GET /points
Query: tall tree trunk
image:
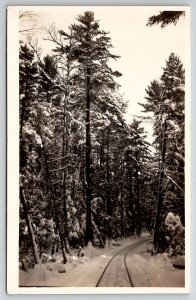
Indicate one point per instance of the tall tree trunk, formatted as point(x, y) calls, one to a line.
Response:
point(160, 189)
point(54, 200)
point(64, 171)
point(131, 202)
point(89, 233)
point(138, 203)
point(82, 172)
point(121, 196)
point(65, 144)
point(109, 206)
point(29, 225)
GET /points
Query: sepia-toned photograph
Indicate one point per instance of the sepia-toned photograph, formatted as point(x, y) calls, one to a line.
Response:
point(98, 184)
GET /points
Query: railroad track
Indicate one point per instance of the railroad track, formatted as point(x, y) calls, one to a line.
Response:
point(122, 277)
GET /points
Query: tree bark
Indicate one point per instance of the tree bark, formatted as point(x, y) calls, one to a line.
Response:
point(131, 202)
point(109, 206)
point(121, 196)
point(64, 171)
point(138, 204)
point(160, 189)
point(89, 233)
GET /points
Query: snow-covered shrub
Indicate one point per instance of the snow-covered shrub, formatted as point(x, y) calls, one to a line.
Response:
point(175, 235)
point(73, 223)
point(45, 234)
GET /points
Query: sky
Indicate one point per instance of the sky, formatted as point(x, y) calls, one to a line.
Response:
point(143, 50)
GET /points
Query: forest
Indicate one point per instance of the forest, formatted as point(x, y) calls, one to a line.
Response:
point(87, 175)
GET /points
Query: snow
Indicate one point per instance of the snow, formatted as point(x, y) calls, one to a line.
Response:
point(180, 88)
point(154, 271)
point(173, 106)
point(174, 125)
point(164, 117)
point(85, 271)
point(175, 78)
point(167, 101)
point(46, 113)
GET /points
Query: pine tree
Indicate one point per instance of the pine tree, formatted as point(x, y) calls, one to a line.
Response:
point(92, 53)
point(174, 80)
point(137, 158)
point(165, 99)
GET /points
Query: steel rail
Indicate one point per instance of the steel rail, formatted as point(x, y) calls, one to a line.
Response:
point(128, 248)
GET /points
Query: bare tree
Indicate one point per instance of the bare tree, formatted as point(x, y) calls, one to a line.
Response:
point(29, 22)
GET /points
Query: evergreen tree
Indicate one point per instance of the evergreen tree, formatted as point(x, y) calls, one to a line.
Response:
point(137, 158)
point(92, 53)
point(165, 99)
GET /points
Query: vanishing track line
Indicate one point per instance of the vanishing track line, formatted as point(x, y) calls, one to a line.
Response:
point(125, 251)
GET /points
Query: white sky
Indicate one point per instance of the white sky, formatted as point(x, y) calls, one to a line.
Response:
point(143, 49)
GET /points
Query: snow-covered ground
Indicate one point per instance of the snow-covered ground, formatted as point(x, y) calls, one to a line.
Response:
point(146, 270)
point(153, 271)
